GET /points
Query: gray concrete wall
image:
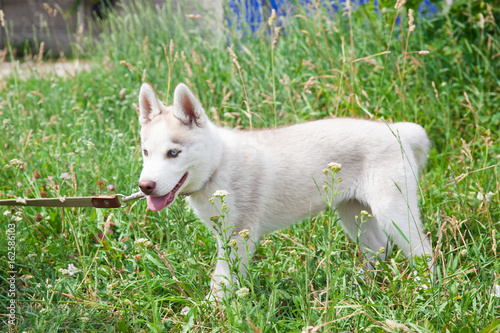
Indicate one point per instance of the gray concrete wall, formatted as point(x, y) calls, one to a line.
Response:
point(29, 22)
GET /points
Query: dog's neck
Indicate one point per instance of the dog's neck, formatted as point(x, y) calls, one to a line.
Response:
point(217, 148)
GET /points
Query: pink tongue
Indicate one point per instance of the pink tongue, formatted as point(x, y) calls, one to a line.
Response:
point(158, 203)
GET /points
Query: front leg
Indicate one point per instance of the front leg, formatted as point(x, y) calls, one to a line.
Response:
point(232, 262)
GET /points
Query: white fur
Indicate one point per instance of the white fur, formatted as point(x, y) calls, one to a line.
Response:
point(272, 176)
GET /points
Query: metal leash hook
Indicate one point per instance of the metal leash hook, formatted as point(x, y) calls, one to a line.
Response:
point(126, 199)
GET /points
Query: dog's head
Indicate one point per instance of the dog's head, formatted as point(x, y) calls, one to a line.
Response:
point(174, 145)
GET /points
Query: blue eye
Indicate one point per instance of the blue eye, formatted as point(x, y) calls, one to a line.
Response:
point(145, 152)
point(173, 153)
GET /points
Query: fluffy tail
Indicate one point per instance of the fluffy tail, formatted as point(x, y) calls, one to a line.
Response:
point(415, 138)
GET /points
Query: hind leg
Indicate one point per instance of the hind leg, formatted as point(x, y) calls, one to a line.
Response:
point(363, 230)
point(396, 209)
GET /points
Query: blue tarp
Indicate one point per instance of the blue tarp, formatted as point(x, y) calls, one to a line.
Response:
point(255, 11)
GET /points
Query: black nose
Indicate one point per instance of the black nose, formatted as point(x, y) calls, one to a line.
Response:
point(147, 186)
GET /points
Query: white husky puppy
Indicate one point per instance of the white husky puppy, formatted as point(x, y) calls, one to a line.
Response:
point(272, 176)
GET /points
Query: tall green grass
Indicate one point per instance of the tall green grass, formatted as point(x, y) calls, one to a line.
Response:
point(75, 135)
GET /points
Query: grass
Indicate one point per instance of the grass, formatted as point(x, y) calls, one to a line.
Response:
point(75, 135)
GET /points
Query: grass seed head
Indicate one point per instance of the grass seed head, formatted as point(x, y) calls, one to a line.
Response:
point(271, 18)
point(276, 37)
point(234, 58)
point(411, 26)
point(399, 4)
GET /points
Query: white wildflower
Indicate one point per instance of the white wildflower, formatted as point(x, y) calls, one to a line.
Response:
point(221, 194)
point(423, 285)
point(142, 242)
point(184, 311)
point(72, 269)
point(364, 213)
point(234, 244)
point(90, 145)
point(14, 163)
point(242, 293)
point(335, 167)
point(245, 234)
point(267, 242)
point(486, 197)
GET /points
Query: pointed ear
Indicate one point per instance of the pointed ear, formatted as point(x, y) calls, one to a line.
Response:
point(187, 108)
point(149, 105)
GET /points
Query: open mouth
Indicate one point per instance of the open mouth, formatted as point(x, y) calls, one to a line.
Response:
point(158, 203)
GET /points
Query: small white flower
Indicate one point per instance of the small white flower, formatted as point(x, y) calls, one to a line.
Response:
point(14, 163)
point(267, 242)
point(184, 311)
point(422, 286)
point(486, 197)
point(245, 234)
point(242, 293)
point(335, 167)
point(143, 242)
point(6, 213)
point(221, 194)
point(90, 145)
point(72, 269)
point(364, 213)
point(234, 244)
